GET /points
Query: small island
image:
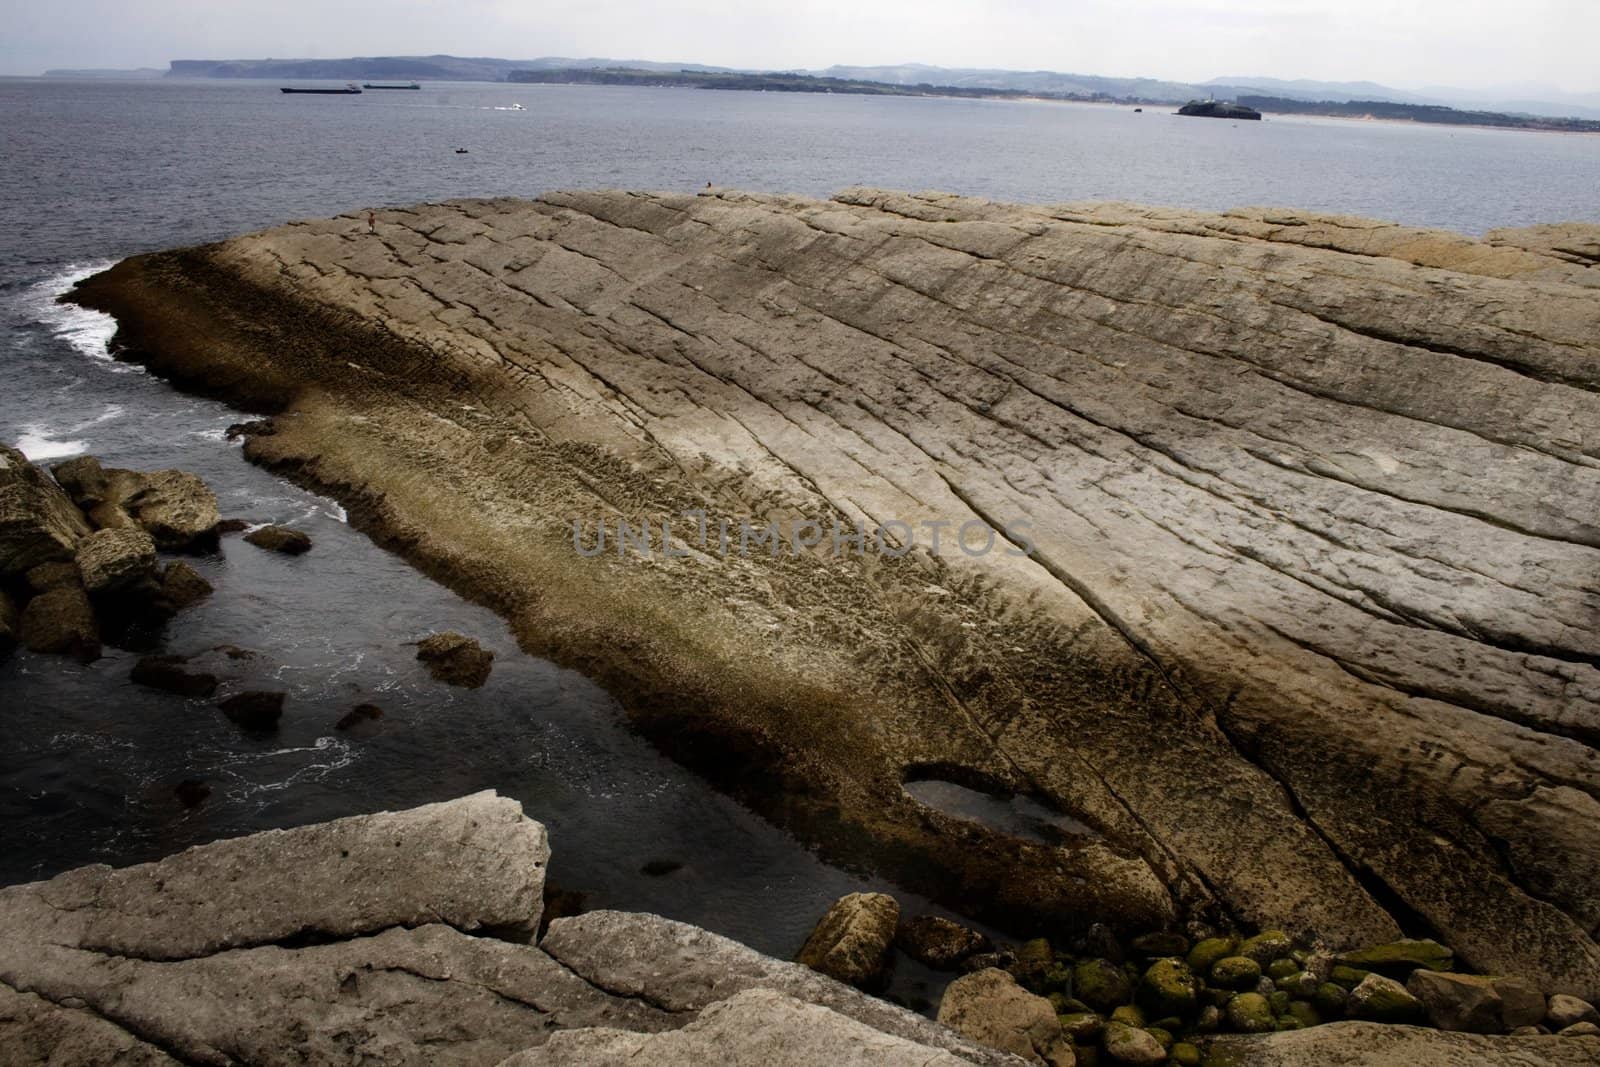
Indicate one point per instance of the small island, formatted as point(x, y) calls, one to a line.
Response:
point(1217, 109)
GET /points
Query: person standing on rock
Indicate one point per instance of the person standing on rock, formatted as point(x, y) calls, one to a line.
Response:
point(372, 223)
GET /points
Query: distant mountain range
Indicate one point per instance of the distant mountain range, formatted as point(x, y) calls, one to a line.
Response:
point(1516, 100)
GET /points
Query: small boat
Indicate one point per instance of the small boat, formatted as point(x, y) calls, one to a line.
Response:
point(1138, 110)
point(380, 85)
point(349, 90)
point(461, 151)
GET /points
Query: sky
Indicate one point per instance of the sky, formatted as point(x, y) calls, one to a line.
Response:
point(1404, 43)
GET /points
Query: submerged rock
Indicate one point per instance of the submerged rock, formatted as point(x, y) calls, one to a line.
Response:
point(254, 710)
point(455, 659)
point(280, 539)
point(358, 715)
point(168, 673)
point(182, 586)
point(192, 792)
point(38, 522)
point(938, 942)
point(852, 941)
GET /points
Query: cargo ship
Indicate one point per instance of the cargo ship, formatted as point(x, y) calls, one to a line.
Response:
point(350, 88)
point(375, 85)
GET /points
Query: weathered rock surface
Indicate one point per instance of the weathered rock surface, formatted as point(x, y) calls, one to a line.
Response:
point(990, 1008)
point(111, 561)
point(176, 507)
point(38, 522)
point(1355, 1044)
point(61, 621)
point(680, 968)
point(756, 1028)
point(455, 659)
point(852, 941)
point(1312, 500)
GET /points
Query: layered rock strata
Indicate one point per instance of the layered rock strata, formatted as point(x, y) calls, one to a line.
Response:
point(1308, 636)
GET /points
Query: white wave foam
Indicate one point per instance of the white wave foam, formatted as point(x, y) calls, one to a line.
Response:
point(38, 445)
point(89, 332)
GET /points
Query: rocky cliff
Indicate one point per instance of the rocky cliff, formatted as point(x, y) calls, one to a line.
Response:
point(1308, 633)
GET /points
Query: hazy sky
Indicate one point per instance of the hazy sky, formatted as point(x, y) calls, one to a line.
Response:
point(1408, 43)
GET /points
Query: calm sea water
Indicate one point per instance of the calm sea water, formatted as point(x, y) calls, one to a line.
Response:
point(98, 170)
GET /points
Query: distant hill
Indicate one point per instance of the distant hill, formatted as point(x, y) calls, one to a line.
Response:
point(104, 72)
point(1523, 100)
point(418, 68)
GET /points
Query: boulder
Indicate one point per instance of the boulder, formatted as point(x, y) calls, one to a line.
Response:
point(254, 710)
point(1565, 1010)
point(1458, 1001)
point(1169, 988)
point(112, 561)
point(938, 942)
point(167, 673)
point(38, 521)
point(475, 863)
point(1101, 984)
point(1383, 1000)
point(1132, 1046)
point(182, 586)
point(1208, 951)
point(682, 969)
point(1266, 946)
point(1583, 1029)
point(61, 621)
point(852, 941)
point(1236, 972)
point(177, 508)
point(1521, 1002)
point(83, 479)
point(280, 539)
point(47, 576)
point(456, 660)
point(989, 1007)
point(1250, 1013)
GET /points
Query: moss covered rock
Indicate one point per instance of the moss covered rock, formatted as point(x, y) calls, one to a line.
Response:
point(1305, 1013)
point(1383, 1000)
point(1249, 1013)
point(1101, 984)
point(1133, 1046)
point(1129, 1015)
point(1185, 1055)
point(1400, 958)
point(1266, 946)
point(1169, 988)
point(1082, 1026)
point(1235, 972)
point(1281, 968)
point(1330, 999)
point(1205, 954)
point(1168, 943)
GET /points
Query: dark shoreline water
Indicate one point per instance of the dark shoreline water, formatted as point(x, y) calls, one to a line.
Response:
point(98, 170)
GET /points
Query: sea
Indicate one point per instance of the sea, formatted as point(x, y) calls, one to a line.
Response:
point(97, 170)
